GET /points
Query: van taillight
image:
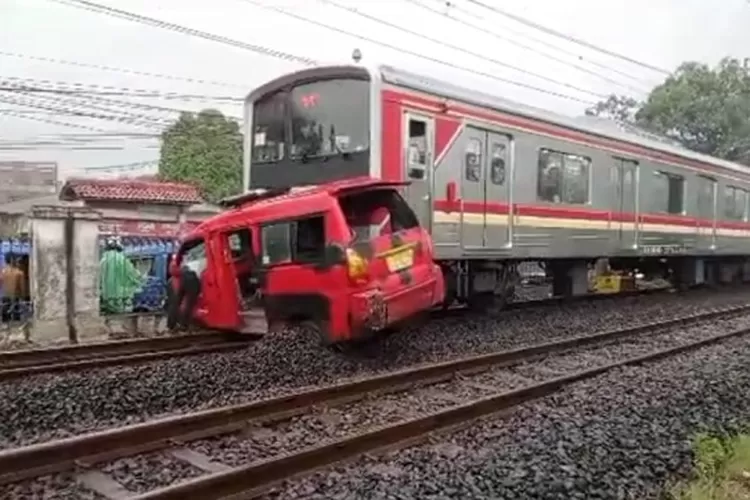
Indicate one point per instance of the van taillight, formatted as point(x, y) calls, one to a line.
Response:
point(357, 266)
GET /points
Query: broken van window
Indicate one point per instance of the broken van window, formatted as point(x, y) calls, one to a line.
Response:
point(277, 247)
point(375, 213)
point(300, 241)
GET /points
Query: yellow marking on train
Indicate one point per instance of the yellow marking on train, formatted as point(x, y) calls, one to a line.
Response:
point(529, 221)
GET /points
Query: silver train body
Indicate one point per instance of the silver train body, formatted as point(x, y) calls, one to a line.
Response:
point(498, 182)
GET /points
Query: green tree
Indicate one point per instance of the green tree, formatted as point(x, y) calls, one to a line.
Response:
point(615, 107)
point(704, 109)
point(205, 149)
point(707, 110)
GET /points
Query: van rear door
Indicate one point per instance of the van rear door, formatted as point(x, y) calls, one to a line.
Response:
point(397, 250)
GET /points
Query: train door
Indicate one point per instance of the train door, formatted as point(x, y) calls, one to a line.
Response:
point(625, 177)
point(485, 189)
point(473, 173)
point(706, 205)
point(418, 164)
point(497, 182)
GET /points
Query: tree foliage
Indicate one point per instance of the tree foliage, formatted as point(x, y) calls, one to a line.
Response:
point(205, 149)
point(705, 109)
point(615, 107)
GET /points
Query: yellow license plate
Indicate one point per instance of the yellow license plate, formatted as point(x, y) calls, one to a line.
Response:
point(400, 261)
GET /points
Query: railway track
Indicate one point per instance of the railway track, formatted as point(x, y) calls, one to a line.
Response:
point(27, 362)
point(23, 363)
point(464, 389)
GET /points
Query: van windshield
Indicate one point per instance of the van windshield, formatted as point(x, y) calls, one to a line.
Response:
point(376, 213)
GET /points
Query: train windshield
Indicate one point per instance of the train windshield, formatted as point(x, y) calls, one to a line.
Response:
point(328, 117)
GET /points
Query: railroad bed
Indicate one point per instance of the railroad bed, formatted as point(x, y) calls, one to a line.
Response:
point(22, 363)
point(27, 362)
point(52, 406)
point(250, 448)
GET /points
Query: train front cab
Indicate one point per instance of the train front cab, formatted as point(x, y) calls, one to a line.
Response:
point(348, 260)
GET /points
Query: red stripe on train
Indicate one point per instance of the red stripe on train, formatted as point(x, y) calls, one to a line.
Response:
point(495, 208)
point(555, 130)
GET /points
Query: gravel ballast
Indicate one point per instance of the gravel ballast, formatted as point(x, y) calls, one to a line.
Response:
point(53, 406)
point(624, 435)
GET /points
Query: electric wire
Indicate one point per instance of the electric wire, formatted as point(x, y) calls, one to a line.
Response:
point(569, 38)
point(114, 69)
point(530, 48)
point(157, 23)
point(416, 54)
point(460, 49)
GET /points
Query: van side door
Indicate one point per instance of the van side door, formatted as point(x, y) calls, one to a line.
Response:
point(297, 281)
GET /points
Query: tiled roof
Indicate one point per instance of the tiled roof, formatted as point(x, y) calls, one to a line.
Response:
point(130, 190)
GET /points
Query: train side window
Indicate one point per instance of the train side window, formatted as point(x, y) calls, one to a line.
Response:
point(497, 165)
point(473, 160)
point(735, 203)
point(706, 197)
point(417, 154)
point(563, 177)
point(669, 193)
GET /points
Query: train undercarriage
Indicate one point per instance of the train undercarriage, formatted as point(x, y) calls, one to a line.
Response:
point(488, 284)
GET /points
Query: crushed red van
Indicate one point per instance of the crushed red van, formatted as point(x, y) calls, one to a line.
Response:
point(348, 258)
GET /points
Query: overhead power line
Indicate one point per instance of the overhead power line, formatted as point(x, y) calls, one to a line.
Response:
point(121, 70)
point(157, 23)
point(138, 122)
point(530, 48)
point(545, 43)
point(76, 88)
point(569, 38)
point(119, 103)
point(404, 50)
point(462, 49)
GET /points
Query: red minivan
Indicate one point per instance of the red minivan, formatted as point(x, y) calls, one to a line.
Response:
point(348, 257)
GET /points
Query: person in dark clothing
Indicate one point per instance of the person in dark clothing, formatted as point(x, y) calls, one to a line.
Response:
point(181, 301)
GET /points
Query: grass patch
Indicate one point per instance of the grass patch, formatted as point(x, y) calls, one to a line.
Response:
point(722, 469)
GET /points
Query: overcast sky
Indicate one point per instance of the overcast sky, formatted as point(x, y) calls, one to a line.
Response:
point(662, 33)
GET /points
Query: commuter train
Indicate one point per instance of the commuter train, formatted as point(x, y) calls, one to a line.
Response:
point(497, 183)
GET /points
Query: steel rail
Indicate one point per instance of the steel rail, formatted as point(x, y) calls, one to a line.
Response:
point(15, 364)
point(257, 478)
point(88, 449)
point(27, 362)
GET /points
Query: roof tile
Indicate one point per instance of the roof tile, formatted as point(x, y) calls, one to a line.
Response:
point(130, 190)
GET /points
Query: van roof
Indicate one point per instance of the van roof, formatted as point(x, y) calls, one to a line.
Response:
point(305, 199)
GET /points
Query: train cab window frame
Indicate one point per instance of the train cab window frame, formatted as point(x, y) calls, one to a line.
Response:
point(672, 199)
point(329, 117)
point(473, 156)
point(736, 209)
point(269, 139)
point(562, 189)
point(297, 241)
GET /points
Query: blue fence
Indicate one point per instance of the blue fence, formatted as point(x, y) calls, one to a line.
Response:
point(150, 257)
point(15, 301)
